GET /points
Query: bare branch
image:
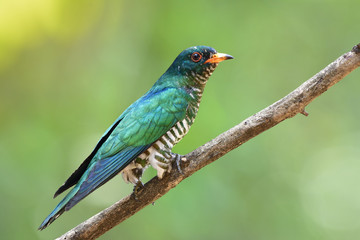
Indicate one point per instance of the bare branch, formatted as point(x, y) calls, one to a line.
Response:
point(285, 108)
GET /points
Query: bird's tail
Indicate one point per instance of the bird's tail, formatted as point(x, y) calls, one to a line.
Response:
point(59, 209)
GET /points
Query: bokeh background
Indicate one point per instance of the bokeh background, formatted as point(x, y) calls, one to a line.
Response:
point(69, 68)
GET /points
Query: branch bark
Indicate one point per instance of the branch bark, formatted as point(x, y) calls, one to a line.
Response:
point(287, 107)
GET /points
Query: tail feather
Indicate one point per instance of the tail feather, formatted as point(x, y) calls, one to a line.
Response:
point(59, 209)
point(96, 175)
point(49, 219)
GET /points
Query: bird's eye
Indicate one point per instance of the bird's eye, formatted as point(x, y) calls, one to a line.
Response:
point(195, 57)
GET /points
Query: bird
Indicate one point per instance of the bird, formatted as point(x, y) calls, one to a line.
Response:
point(145, 133)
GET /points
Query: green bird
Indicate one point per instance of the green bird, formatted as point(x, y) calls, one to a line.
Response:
point(145, 132)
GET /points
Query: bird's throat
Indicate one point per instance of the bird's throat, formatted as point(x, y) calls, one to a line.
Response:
point(200, 79)
point(196, 89)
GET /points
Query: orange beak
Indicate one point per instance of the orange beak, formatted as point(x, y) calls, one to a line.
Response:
point(218, 57)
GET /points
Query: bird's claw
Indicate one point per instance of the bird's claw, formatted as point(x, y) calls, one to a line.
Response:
point(137, 188)
point(178, 158)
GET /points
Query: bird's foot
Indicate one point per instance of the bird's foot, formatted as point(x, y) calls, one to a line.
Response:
point(178, 158)
point(137, 188)
point(163, 163)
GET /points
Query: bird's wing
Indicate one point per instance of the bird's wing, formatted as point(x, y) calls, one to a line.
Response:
point(75, 176)
point(145, 121)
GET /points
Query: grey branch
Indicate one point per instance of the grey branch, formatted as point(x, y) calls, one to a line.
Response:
point(287, 107)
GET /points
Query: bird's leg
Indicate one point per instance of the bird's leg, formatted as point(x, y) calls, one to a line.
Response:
point(137, 187)
point(178, 158)
point(174, 157)
point(163, 162)
point(137, 173)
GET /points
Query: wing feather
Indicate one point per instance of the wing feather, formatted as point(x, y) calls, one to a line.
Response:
point(147, 120)
point(102, 171)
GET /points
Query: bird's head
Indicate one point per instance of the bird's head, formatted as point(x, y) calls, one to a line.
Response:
point(198, 60)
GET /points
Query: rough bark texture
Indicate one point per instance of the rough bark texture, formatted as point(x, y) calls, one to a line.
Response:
point(285, 108)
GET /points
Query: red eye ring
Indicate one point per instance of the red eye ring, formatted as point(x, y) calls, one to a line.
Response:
point(196, 57)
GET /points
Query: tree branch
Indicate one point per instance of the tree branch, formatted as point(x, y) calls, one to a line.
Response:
point(285, 108)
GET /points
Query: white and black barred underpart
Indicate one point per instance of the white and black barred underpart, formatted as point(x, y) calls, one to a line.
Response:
point(159, 155)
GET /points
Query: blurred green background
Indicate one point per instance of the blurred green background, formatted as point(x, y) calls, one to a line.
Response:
point(69, 68)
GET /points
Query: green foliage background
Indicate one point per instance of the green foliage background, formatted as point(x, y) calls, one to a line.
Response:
point(69, 68)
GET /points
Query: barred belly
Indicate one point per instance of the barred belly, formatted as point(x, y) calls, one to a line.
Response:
point(159, 155)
